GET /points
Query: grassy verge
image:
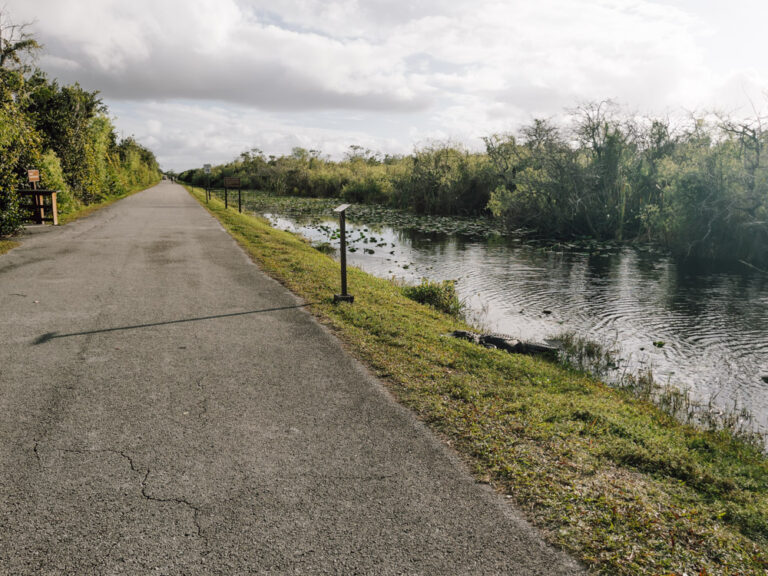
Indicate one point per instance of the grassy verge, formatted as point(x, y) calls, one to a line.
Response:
point(611, 478)
point(84, 211)
point(7, 246)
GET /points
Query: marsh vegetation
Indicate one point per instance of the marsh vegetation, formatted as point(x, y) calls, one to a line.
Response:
point(696, 186)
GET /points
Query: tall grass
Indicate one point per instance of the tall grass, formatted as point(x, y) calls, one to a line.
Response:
point(440, 295)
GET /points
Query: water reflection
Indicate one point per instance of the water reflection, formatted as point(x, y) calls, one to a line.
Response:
point(713, 322)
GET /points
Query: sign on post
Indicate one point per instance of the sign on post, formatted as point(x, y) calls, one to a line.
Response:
point(231, 182)
point(33, 175)
point(207, 168)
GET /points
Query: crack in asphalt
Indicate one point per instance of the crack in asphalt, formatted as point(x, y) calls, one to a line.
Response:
point(181, 501)
point(134, 468)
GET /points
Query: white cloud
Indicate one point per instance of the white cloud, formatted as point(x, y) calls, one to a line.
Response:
point(390, 72)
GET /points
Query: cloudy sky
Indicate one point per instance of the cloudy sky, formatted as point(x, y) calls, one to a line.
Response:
point(203, 80)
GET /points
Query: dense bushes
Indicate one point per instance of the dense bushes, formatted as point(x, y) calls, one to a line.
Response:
point(441, 179)
point(64, 132)
point(19, 146)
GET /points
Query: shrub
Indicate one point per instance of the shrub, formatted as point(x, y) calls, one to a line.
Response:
point(439, 295)
point(52, 178)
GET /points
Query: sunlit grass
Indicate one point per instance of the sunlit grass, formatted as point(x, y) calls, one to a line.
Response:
point(7, 246)
point(615, 480)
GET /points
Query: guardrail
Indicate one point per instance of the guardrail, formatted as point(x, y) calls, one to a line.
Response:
point(41, 200)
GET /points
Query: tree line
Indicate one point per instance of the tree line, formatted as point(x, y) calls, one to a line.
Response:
point(63, 131)
point(698, 187)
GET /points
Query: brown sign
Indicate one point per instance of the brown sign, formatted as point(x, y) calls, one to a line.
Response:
point(33, 175)
point(231, 182)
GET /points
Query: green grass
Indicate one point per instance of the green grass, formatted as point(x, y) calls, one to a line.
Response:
point(611, 478)
point(7, 246)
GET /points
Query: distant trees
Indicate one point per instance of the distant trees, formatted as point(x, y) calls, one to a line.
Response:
point(64, 131)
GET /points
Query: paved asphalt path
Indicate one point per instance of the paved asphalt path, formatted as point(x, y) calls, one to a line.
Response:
point(165, 408)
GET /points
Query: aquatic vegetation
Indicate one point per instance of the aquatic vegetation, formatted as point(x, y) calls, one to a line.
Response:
point(317, 212)
point(586, 354)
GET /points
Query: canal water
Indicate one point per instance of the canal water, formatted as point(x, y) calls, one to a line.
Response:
point(709, 325)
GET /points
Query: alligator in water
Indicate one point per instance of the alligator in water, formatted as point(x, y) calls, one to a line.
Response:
point(506, 343)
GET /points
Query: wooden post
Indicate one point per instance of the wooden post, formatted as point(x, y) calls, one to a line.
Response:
point(55, 209)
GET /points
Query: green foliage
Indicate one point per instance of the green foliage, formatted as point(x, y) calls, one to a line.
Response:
point(444, 180)
point(701, 191)
point(372, 186)
point(19, 151)
point(67, 117)
point(439, 295)
point(52, 178)
point(585, 354)
point(440, 179)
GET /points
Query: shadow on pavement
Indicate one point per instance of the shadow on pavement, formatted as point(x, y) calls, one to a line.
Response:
point(48, 336)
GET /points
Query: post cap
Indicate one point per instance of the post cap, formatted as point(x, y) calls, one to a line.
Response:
point(341, 208)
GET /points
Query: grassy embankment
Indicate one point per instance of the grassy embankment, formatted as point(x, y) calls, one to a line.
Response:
point(609, 477)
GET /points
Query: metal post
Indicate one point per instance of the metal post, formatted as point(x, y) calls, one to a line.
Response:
point(343, 297)
point(226, 198)
point(239, 201)
point(342, 225)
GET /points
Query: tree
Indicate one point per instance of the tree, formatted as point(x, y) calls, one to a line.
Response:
point(18, 50)
point(65, 116)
